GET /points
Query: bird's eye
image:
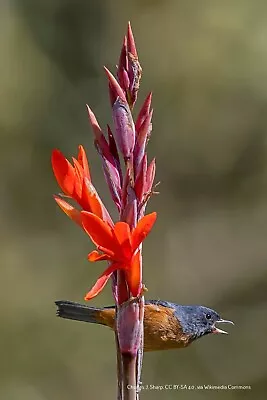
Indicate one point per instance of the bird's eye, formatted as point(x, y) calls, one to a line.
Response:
point(208, 316)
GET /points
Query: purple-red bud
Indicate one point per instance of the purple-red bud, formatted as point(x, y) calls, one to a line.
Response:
point(114, 151)
point(131, 42)
point(100, 139)
point(140, 182)
point(123, 64)
point(112, 177)
point(129, 214)
point(143, 113)
point(141, 141)
point(115, 90)
point(150, 175)
point(124, 128)
point(125, 81)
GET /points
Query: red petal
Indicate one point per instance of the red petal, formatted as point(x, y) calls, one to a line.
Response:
point(79, 179)
point(133, 275)
point(101, 282)
point(64, 172)
point(108, 252)
point(99, 231)
point(90, 201)
point(123, 235)
point(96, 256)
point(142, 229)
point(68, 209)
point(82, 159)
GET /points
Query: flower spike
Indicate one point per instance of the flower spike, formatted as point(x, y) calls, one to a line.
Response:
point(117, 243)
point(123, 152)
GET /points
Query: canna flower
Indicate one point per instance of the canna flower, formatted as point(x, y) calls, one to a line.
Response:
point(75, 182)
point(120, 246)
point(129, 176)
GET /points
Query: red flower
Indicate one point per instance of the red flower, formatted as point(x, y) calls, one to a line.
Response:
point(118, 245)
point(75, 182)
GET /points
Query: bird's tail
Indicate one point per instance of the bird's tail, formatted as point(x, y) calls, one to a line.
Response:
point(79, 312)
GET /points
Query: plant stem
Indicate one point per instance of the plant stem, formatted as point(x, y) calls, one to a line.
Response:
point(119, 369)
point(129, 375)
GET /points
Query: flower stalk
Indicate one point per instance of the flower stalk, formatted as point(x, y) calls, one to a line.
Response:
point(129, 176)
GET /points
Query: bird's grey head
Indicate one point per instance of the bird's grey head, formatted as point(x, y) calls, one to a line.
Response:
point(198, 321)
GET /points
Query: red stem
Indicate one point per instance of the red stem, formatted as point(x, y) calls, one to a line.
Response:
point(129, 375)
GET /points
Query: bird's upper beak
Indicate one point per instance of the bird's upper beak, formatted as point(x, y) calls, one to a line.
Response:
point(217, 330)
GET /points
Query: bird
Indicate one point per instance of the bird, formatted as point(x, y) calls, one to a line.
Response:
point(166, 325)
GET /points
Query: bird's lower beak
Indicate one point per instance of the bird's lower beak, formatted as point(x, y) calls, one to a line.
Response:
point(222, 321)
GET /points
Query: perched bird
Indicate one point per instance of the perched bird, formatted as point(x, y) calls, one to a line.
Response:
point(166, 325)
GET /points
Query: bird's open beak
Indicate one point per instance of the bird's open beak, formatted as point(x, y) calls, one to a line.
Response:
point(224, 321)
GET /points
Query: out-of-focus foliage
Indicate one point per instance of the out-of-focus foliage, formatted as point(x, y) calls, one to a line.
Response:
point(206, 62)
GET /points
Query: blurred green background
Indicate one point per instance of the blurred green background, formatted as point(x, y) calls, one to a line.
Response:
point(206, 62)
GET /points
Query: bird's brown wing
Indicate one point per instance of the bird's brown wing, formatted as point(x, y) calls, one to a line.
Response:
point(162, 329)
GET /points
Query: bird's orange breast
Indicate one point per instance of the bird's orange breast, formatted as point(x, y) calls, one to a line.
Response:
point(162, 329)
